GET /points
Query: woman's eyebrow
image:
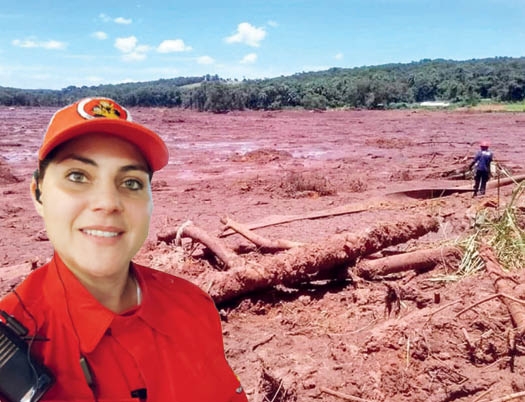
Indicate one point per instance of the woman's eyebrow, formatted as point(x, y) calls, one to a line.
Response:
point(126, 168)
point(139, 167)
point(79, 158)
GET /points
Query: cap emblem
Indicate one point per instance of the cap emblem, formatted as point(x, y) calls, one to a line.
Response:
point(92, 108)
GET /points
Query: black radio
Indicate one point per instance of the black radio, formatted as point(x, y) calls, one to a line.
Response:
point(22, 377)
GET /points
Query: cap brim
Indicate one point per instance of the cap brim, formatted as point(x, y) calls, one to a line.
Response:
point(148, 142)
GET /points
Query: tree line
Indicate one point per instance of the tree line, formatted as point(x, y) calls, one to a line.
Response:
point(501, 79)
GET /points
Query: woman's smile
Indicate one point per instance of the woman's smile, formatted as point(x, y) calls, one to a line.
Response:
point(100, 233)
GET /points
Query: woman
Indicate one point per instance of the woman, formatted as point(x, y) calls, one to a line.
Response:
point(107, 328)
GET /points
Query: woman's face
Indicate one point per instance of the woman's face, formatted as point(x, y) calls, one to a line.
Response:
point(96, 203)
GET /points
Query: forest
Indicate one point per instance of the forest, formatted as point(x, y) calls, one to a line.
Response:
point(388, 86)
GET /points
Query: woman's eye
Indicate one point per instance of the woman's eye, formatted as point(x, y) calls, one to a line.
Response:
point(77, 177)
point(133, 184)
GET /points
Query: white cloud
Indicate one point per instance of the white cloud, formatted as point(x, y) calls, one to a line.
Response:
point(339, 56)
point(247, 34)
point(24, 43)
point(126, 45)
point(249, 58)
point(205, 60)
point(118, 20)
point(173, 45)
point(273, 24)
point(130, 49)
point(53, 45)
point(30, 43)
point(99, 35)
point(122, 20)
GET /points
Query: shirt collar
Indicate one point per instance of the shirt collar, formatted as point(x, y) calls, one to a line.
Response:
point(90, 319)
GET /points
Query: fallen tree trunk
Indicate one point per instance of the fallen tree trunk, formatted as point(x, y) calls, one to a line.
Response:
point(301, 263)
point(495, 183)
point(419, 260)
point(504, 284)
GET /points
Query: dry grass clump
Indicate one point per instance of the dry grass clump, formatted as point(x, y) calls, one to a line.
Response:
point(356, 186)
point(401, 175)
point(505, 234)
point(508, 237)
point(263, 155)
point(306, 185)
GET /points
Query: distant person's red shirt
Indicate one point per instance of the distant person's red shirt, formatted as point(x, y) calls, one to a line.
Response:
point(170, 345)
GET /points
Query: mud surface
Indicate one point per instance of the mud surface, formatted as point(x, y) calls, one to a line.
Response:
point(401, 338)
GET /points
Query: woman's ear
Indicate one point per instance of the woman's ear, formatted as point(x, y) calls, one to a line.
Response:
point(34, 189)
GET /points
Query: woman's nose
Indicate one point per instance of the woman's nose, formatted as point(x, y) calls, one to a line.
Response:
point(107, 198)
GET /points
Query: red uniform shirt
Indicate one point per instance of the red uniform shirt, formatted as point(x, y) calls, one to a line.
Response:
point(170, 345)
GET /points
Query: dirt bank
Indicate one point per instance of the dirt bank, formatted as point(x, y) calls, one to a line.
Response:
point(337, 337)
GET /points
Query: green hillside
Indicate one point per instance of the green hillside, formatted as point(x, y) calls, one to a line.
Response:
point(499, 79)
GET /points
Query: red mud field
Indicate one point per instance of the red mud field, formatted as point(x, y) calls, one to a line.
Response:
point(316, 330)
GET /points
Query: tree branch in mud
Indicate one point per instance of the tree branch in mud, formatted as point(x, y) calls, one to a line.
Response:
point(301, 263)
point(216, 246)
point(341, 395)
point(419, 260)
point(486, 299)
point(260, 241)
point(504, 284)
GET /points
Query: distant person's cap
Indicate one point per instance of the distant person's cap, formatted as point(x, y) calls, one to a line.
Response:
point(484, 144)
point(103, 116)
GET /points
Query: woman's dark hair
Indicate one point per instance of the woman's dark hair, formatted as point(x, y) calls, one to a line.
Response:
point(39, 173)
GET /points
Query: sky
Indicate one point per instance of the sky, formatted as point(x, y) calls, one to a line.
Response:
point(50, 44)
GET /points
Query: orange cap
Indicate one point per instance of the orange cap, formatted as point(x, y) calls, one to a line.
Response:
point(484, 144)
point(104, 116)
